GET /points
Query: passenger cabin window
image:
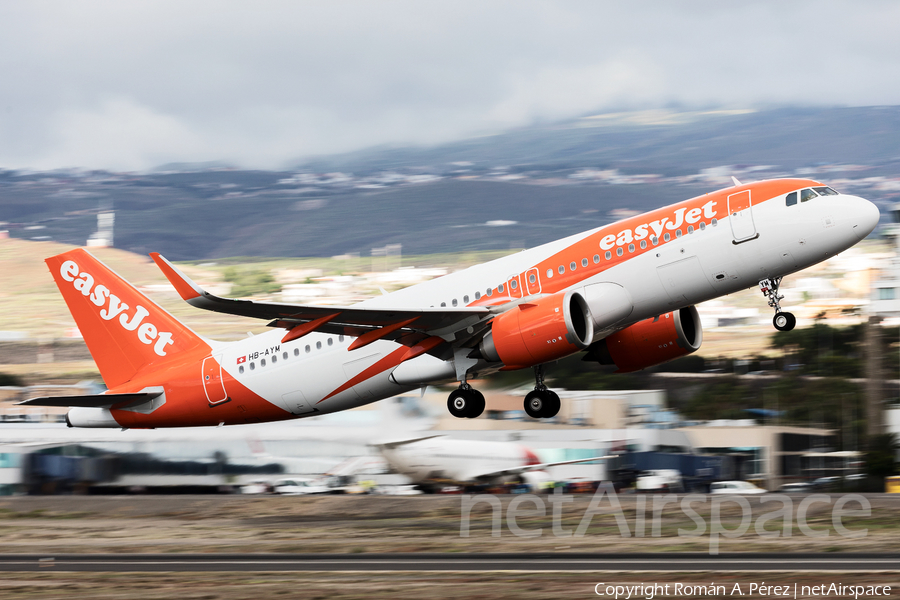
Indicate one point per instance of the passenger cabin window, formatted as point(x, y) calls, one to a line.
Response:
point(807, 195)
point(791, 199)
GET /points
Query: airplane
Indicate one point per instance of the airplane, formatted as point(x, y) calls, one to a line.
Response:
point(622, 294)
point(433, 460)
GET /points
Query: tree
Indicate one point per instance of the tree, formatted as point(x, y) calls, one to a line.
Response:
point(881, 457)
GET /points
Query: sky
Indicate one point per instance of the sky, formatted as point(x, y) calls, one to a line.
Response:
point(134, 85)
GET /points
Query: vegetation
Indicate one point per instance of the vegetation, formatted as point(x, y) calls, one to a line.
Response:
point(881, 455)
point(250, 281)
point(10, 380)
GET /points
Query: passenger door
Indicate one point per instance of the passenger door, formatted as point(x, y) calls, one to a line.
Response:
point(740, 211)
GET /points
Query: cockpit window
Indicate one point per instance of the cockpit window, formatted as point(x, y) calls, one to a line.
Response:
point(791, 199)
point(826, 191)
point(807, 194)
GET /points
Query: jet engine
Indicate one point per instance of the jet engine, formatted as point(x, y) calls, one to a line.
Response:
point(536, 332)
point(651, 342)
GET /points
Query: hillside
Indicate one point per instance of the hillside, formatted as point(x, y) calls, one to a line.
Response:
point(542, 183)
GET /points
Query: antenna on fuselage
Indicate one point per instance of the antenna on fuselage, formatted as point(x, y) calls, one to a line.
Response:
point(736, 182)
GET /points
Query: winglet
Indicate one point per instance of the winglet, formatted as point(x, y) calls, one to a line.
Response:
point(182, 284)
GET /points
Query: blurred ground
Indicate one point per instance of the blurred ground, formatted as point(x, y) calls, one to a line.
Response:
point(342, 524)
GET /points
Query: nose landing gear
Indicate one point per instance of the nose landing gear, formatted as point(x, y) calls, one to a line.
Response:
point(541, 403)
point(783, 321)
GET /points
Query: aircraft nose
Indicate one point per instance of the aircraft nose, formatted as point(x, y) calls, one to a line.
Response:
point(865, 218)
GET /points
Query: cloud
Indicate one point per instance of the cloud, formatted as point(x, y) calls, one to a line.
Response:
point(132, 85)
point(118, 134)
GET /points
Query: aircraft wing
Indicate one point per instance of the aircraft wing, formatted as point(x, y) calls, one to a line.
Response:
point(403, 441)
point(538, 467)
point(406, 325)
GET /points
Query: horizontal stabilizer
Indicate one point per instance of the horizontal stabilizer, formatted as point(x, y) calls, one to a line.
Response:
point(91, 400)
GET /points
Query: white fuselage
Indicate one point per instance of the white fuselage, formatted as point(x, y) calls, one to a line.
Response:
point(773, 240)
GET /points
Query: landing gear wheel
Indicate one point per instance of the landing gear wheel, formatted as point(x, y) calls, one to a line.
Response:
point(477, 406)
point(552, 406)
point(459, 403)
point(541, 403)
point(465, 403)
point(784, 321)
point(535, 404)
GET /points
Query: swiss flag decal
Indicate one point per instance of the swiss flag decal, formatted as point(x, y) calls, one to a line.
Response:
point(242, 360)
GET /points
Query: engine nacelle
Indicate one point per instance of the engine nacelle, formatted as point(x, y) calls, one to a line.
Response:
point(536, 332)
point(651, 342)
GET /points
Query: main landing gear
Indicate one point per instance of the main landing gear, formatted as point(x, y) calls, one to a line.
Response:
point(541, 403)
point(783, 321)
point(465, 402)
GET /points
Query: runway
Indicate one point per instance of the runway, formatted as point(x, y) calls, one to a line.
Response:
point(468, 562)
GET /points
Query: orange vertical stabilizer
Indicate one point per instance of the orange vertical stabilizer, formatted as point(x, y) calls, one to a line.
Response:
point(124, 330)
